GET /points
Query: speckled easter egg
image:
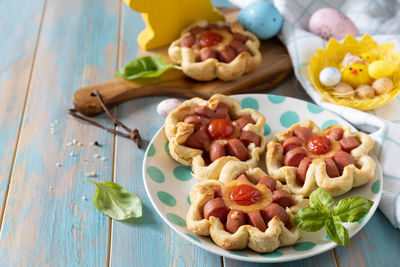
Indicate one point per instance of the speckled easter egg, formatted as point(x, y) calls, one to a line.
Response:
point(166, 106)
point(343, 90)
point(261, 18)
point(365, 91)
point(382, 85)
point(330, 76)
point(381, 69)
point(329, 22)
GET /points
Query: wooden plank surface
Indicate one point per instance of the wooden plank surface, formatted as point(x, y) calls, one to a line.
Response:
point(326, 259)
point(147, 241)
point(377, 244)
point(19, 30)
point(49, 217)
point(46, 221)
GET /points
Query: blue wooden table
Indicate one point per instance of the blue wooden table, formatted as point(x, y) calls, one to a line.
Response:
point(48, 49)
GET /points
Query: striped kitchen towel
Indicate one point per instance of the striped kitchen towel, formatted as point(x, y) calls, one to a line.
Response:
point(381, 19)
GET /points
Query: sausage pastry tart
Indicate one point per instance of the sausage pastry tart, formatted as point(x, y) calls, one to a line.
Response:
point(252, 210)
point(335, 159)
point(209, 134)
point(219, 50)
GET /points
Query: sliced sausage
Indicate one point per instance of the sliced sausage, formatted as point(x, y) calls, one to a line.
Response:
point(349, 143)
point(226, 55)
point(294, 156)
point(204, 111)
point(216, 207)
point(235, 219)
point(193, 119)
point(207, 52)
point(196, 30)
point(213, 26)
point(256, 220)
point(238, 46)
point(243, 121)
point(336, 133)
point(243, 178)
point(217, 150)
point(248, 137)
point(217, 191)
point(197, 120)
point(269, 182)
point(302, 169)
point(303, 133)
point(283, 198)
point(198, 139)
point(226, 28)
point(342, 159)
point(273, 210)
point(222, 111)
point(331, 168)
point(239, 37)
point(188, 41)
point(236, 148)
point(291, 143)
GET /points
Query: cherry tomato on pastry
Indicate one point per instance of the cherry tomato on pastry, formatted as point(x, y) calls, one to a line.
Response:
point(209, 39)
point(220, 128)
point(319, 145)
point(245, 195)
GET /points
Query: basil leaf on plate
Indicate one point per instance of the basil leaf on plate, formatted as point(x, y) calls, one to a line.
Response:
point(352, 209)
point(336, 231)
point(309, 219)
point(115, 201)
point(144, 67)
point(321, 201)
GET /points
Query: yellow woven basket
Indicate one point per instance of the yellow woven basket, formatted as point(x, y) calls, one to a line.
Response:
point(334, 54)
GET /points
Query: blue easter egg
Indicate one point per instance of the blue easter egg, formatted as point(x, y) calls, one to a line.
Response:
point(261, 18)
point(330, 76)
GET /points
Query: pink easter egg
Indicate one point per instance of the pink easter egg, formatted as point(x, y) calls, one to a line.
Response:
point(329, 22)
point(166, 106)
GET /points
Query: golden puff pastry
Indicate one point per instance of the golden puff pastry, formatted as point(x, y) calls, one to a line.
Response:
point(276, 234)
point(179, 133)
point(335, 159)
point(218, 50)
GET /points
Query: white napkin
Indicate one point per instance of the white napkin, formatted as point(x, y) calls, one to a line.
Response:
point(381, 19)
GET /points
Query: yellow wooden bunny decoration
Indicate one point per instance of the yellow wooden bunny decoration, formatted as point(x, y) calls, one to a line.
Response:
point(165, 19)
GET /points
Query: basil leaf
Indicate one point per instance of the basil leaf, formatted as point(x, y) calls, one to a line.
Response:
point(309, 219)
point(321, 201)
point(336, 231)
point(116, 202)
point(352, 209)
point(145, 67)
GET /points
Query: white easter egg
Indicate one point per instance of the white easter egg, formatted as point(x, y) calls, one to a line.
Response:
point(330, 76)
point(166, 106)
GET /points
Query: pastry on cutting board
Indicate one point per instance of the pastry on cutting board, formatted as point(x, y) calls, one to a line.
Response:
point(206, 51)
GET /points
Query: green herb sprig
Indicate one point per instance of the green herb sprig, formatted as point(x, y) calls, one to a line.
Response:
point(144, 67)
point(116, 202)
point(320, 214)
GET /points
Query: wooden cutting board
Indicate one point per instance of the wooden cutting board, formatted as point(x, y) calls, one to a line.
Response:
point(274, 68)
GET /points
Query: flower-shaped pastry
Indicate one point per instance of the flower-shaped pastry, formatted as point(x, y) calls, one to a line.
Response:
point(208, 134)
point(219, 50)
point(335, 159)
point(252, 210)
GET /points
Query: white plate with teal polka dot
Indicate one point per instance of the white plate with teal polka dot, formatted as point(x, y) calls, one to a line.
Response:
point(168, 183)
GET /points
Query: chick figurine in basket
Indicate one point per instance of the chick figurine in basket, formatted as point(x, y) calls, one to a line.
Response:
point(355, 71)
